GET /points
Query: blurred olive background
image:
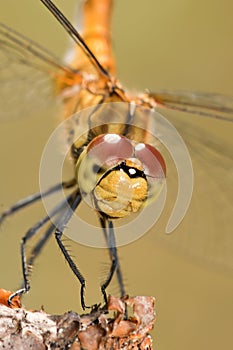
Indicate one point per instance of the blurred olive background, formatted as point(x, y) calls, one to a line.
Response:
point(176, 44)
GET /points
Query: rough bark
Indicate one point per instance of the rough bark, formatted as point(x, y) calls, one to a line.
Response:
point(107, 328)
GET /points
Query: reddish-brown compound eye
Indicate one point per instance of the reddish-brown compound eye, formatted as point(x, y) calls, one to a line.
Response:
point(152, 160)
point(153, 167)
point(109, 149)
point(103, 152)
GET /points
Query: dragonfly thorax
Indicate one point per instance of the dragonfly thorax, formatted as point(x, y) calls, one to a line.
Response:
point(118, 177)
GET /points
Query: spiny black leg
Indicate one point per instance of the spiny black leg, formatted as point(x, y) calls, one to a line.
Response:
point(40, 244)
point(34, 198)
point(58, 234)
point(30, 233)
point(43, 240)
point(118, 268)
point(113, 255)
point(120, 277)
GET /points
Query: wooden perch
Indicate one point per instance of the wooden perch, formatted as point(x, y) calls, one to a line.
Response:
point(22, 330)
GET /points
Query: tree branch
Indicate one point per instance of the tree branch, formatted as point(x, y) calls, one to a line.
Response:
point(106, 328)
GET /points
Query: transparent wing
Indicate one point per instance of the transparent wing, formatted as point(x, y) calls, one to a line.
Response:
point(206, 231)
point(27, 73)
point(206, 104)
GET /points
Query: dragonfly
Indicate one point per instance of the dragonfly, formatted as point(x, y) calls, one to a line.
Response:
point(118, 165)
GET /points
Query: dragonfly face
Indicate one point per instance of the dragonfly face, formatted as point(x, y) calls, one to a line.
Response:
point(121, 190)
point(118, 175)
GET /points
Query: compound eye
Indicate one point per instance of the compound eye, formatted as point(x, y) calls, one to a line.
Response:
point(154, 168)
point(110, 149)
point(152, 160)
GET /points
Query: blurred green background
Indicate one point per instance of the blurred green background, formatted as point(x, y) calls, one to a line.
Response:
point(173, 44)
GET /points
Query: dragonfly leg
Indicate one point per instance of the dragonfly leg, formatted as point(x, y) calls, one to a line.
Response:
point(39, 246)
point(34, 198)
point(58, 236)
point(110, 238)
point(50, 230)
point(29, 234)
point(118, 268)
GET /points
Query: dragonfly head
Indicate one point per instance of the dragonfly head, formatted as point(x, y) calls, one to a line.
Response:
point(117, 176)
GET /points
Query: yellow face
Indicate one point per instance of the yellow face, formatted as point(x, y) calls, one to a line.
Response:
point(122, 190)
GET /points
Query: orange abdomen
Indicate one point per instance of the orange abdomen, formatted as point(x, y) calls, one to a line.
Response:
point(96, 32)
